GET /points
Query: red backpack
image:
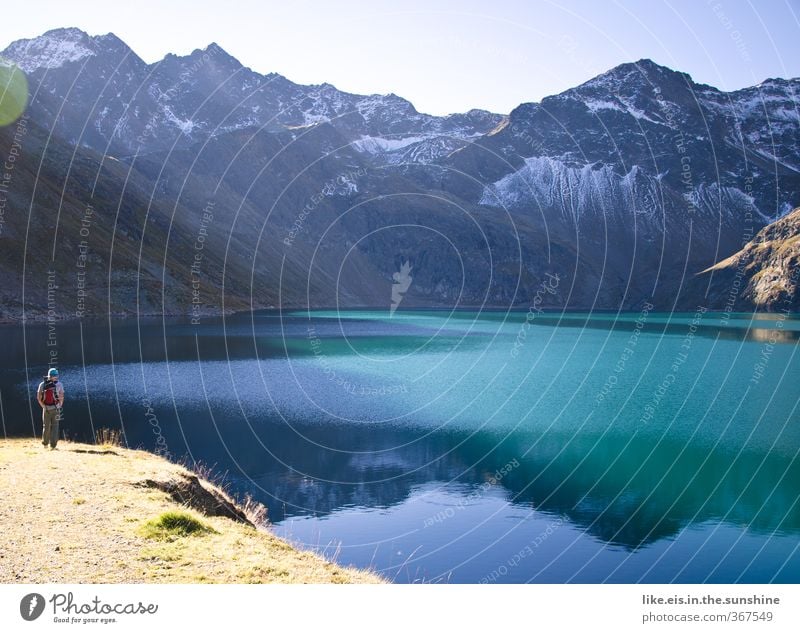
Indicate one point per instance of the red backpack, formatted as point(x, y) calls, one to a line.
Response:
point(50, 395)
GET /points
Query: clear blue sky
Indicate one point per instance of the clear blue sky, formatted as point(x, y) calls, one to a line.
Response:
point(448, 55)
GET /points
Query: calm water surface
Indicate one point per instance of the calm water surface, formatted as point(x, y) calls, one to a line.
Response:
point(465, 447)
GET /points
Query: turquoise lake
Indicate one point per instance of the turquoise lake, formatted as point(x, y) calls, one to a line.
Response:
point(466, 447)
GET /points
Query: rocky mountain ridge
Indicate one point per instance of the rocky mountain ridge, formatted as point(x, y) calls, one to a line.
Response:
point(626, 187)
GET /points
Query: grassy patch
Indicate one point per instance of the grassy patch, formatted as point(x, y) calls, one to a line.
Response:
point(174, 524)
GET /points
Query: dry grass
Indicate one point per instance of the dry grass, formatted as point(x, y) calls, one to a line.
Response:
point(80, 514)
point(109, 437)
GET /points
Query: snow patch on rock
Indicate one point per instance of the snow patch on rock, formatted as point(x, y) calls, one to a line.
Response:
point(48, 51)
point(380, 145)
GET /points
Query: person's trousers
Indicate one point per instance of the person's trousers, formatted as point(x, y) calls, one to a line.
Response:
point(50, 418)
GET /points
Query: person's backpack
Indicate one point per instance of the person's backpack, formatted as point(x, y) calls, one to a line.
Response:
point(49, 393)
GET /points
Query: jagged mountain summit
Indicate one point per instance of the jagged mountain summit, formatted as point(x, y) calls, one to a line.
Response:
point(624, 188)
point(657, 122)
point(102, 95)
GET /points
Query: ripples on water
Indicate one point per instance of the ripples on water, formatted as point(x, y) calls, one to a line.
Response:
point(470, 448)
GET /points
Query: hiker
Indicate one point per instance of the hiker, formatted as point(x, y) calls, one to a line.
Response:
point(50, 395)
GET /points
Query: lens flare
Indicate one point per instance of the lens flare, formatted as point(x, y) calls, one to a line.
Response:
point(13, 92)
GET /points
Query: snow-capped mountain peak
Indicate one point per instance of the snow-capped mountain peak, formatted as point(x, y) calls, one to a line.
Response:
point(132, 106)
point(51, 50)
